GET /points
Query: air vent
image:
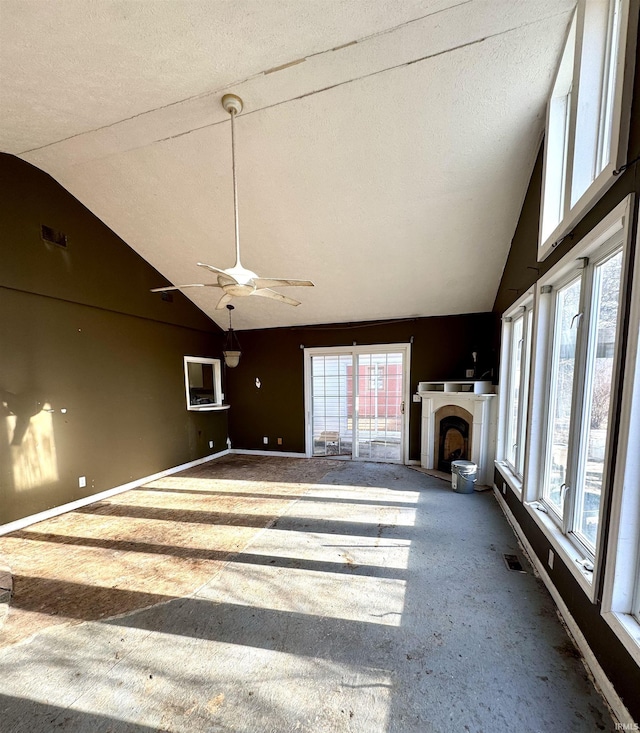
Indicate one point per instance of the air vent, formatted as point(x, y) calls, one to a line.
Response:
point(52, 236)
point(513, 563)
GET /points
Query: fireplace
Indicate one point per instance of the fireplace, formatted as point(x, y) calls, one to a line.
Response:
point(458, 423)
point(452, 436)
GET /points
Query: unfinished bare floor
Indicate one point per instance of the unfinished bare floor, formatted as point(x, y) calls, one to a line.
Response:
point(275, 595)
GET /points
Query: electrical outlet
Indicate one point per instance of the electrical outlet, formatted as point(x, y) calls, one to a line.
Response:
point(211, 444)
point(279, 441)
point(265, 440)
point(82, 482)
point(550, 561)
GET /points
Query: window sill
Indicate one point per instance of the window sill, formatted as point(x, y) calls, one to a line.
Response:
point(564, 548)
point(207, 408)
point(514, 481)
point(627, 629)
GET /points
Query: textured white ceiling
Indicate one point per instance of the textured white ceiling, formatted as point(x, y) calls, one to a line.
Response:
point(388, 165)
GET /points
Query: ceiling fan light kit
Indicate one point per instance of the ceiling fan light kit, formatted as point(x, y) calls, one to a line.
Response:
point(237, 281)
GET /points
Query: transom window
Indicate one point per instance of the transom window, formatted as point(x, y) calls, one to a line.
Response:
point(587, 117)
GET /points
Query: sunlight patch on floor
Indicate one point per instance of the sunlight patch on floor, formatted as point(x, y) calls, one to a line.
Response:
point(371, 493)
point(355, 552)
point(314, 593)
point(121, 676)
point(226, 485)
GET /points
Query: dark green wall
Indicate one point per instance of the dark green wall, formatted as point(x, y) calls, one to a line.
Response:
point(521, 271)
point(80, 330)
point(441, 349)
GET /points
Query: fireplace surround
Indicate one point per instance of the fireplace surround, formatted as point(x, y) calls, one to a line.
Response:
point(458, 417)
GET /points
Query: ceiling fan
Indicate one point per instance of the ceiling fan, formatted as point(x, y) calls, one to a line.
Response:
point(237, 281)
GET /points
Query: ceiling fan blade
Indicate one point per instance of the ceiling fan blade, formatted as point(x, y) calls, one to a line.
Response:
point(211, 267)
point(273, 282)
point(267, 293)
point(179, 287)
point(223, 301)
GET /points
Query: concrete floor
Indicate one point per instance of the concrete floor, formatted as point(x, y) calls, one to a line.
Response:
point(269, 595)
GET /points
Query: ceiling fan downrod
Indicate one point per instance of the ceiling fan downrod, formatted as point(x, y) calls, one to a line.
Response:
point(234, 105)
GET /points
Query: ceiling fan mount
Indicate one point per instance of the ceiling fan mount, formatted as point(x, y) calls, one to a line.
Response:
point(237, 281)
point(232, 103)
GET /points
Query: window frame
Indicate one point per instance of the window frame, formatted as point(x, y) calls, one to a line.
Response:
point(614, 104)
point(216, 364)
point(522, 308)
point(595, 245)
point(573, 275)
point(621, 589)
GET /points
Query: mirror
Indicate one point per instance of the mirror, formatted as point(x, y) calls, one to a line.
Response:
point(202, 383)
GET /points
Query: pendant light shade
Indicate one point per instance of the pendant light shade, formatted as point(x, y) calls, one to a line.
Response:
point(231, 358)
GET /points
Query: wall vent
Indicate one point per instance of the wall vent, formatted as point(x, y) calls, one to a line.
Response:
point(53, 236)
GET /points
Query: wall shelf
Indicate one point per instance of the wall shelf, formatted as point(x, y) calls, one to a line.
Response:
point(461, 387)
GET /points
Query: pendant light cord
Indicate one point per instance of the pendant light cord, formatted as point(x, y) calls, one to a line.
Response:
point(232, 112)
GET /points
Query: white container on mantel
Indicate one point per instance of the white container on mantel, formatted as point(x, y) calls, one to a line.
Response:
point(462, 387)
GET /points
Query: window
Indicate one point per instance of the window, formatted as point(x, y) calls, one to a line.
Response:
point(203, 384)
point(514, 378)
point(621, 593)
point(587, 117)
point(577, 337)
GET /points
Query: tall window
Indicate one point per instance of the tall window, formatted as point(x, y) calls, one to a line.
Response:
point(584, 327)
point(567, 304)
point(621, 596)
point(514, 378)
point(587, 117)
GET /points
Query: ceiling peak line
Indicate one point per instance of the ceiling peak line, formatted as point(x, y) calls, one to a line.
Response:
point(257, 109)
point(313, 92)
point(239, 82)
point(392, 29)
point(354, 79)
point(186, 100)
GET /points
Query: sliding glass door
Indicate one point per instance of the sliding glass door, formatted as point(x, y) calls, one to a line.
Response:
point(355, 402)
point(332, 401)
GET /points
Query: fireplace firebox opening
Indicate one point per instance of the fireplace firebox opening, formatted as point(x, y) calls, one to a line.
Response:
point(452, 436)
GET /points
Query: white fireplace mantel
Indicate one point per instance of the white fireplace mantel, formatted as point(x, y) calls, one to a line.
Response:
point(482, 406)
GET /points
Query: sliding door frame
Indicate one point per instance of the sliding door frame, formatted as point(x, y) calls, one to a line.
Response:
point(354, 351)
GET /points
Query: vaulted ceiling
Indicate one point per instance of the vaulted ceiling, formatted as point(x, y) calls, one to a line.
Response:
point(383, 152)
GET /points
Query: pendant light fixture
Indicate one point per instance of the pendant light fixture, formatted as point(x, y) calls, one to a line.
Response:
point(231, 350)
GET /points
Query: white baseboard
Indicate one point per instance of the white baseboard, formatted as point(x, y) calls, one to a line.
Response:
point(72, 505)
point(278, 453)
point(593, 666)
